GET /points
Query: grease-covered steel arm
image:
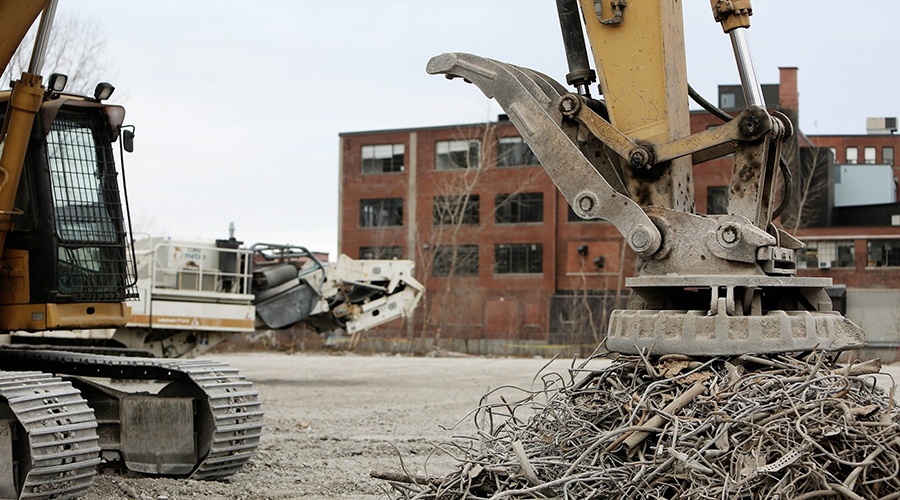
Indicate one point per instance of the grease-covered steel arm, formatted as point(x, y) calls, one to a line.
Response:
point(532, 102)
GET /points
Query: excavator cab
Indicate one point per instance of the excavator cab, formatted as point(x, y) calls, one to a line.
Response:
point(66, 262)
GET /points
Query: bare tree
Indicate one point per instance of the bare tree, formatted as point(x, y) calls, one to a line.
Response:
point(77, 48)
point(811, 199)
point(585, 311)
point(449, 250)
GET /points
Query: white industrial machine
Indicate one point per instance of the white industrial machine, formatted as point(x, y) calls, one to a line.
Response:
point(193, 294)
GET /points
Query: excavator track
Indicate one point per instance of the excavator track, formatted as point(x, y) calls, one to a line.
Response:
point(61, 433)
point(236, 408)
point(228, 409)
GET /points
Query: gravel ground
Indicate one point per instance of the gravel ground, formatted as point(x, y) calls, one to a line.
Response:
point(331, 419)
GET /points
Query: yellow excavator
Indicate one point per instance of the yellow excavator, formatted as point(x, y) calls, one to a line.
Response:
point(66, 264)
point(707, 285)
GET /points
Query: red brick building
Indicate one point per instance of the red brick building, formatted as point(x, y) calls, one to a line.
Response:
point(510, 269)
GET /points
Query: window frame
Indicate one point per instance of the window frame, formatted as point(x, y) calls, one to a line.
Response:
point(471, 212)
point(394, 169)
point(388, 208)
point(854, 159)
point(470, 147)
point(518, 155)
point(389, 252)
point(869, 153)
point(513, 208)
point(844, 254)
point(892, 247)
point(511, 263)
point(467, 264)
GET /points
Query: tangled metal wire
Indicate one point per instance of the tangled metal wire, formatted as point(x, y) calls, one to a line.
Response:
point(748, 427)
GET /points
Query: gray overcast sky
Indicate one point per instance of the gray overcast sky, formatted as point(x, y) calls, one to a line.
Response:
point(238, 105)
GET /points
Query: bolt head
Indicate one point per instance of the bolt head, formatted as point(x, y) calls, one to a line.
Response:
point(640, 238)
point(729, 235)
point(749, 125)
point(569, 105)
point(639, 159)
point(586, 203)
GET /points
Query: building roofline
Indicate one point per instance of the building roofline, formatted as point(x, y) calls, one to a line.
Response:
point(420, 129)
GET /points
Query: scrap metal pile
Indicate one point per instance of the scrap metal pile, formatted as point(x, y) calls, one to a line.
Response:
point(680, 427)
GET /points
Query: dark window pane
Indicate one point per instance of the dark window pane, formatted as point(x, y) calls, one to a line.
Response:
point(522, 258)
point(449, 155)
point(381, 253)
point(883, 253)
point(717, 200)
point(382, 158)
point(513, 152)
point(827, 254)
point(454, 210)
point(381, 212)
point(89, 222)
point(462, 262)
point(516, 208)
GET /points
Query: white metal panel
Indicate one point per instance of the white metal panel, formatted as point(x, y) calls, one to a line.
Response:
point(864, 185)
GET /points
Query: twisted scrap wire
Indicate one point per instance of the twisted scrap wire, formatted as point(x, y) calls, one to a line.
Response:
point(676, 427)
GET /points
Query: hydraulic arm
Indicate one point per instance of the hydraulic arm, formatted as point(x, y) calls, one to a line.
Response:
point(707, 284)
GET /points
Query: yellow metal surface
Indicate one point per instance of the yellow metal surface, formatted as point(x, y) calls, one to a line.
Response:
point(14, 282)
point(34, 317)
point(642, 71)
point(16, 16)
point(24, 102)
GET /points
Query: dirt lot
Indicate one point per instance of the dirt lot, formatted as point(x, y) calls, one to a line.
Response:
point(330, 420)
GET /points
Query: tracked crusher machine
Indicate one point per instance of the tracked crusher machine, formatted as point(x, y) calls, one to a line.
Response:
point(194, 294)
point(725, 382)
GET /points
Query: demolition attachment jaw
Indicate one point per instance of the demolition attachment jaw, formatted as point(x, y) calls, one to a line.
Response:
point(707, 285)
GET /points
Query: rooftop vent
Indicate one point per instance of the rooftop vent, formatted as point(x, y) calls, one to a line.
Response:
point(881, 125)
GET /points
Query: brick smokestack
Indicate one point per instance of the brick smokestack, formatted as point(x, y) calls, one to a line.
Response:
point(788, 93)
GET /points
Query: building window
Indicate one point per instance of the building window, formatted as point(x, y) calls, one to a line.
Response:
point(727, 101)
point(833, 154)
point(514, 152)
point(869, 155)
point(454, 210)
point(883, 253)
point(380, 253)
point(827, 254)
point(449, 155)
point(717, 200)
point(382, 158)
point(381, 212)
point(521, 207)
point(852, 155)
point(523, 258)
point(466, 263)
point(887, 155)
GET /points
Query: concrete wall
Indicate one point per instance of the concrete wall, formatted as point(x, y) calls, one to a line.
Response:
point(877, 311)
